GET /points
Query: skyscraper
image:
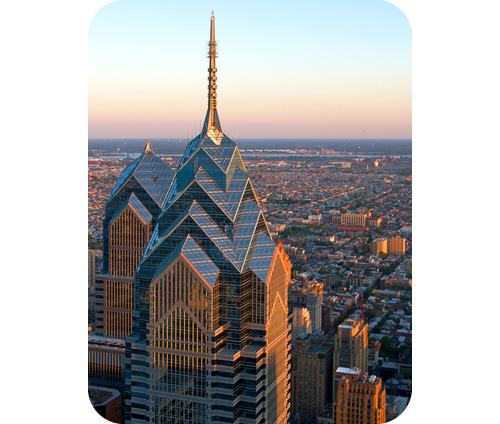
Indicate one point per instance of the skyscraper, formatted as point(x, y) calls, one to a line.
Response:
point(210, 338)
point(130, 216)
point(351, 345)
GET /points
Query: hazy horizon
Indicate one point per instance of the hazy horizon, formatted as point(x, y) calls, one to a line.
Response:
point(178, 145)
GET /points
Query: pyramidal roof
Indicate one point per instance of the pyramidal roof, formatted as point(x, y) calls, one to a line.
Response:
point(152, 174)
point(212, 201)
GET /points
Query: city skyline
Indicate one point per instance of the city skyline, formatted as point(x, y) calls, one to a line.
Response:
point(350, 79)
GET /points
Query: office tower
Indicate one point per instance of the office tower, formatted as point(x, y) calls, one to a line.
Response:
point(131, 213)
point(351, 345)
point(210, 341)
point(358, 398)
point(301, 323)
point(313, 305)
point(312, 377)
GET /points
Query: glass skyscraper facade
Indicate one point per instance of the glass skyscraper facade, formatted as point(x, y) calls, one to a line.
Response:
point(131, 215)
point(209, 340)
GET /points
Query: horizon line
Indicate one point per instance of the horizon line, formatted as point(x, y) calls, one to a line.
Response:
point(248, 138)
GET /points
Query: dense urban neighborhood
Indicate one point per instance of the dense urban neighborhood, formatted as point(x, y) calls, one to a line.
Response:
point(346, 225)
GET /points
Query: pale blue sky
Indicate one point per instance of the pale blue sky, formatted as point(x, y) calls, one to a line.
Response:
point(322, 69)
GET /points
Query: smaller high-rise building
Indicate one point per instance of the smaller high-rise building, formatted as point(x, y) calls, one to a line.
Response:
point(313, 305)
point(312, 377)
point(358, 398)
point(351, 345)
point(301, 323)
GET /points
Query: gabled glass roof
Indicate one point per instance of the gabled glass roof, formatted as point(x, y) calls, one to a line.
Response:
point(196, 256)
point(212, 230)
point(153, 175)
point(209, 227)
point(168, 260)
point(152, 240)
point(244, 227)
point(260, 255)
point(200, 260)
point(135, 204)
point(125, 174)
point(222, 153)
point(236, 189)
point(213, 190)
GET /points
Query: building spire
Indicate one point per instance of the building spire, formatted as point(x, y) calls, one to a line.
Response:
point(148, 149)
point(212, 119)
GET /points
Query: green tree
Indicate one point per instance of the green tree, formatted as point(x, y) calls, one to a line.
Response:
point(369, 315)
point(406, 373)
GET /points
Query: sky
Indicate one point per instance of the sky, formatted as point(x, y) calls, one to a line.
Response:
point(286, 69)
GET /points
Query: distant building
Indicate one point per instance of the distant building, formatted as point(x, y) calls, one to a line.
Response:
point(386, 293)
point(326, 318)
point(396, 246)
point(301, 323)
point(297, 297)
point(373, 221)
point(373, 353)
point(314, 219)
point(379, 245)
point(313, 305)
point(352, 228)
point(395, 405)
point(351, 345)
point(312, 377)
point(356, 219)
point(358, 398)
point(391, 246)
point(392, 282)
point(106, 402)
